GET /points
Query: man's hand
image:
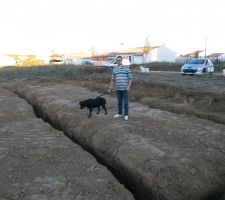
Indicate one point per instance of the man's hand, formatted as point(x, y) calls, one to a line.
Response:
point(111, 87)
point(109, 90)
point(129, 84)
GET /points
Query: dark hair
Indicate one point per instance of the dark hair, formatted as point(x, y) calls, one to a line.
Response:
point(119, 57)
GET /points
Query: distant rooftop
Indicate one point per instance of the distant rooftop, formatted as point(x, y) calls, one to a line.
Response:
point(215, 54)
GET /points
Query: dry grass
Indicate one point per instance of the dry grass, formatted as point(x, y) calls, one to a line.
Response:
point(164, 66)
point(52, 71)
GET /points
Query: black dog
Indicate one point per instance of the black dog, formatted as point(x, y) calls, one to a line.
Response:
point(94, 103)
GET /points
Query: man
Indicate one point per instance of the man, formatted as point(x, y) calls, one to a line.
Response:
point(121, 80)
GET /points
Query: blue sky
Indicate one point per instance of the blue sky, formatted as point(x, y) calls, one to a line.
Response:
point(43, 26)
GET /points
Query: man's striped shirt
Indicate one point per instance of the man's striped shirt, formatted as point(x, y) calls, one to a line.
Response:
point(121, 77)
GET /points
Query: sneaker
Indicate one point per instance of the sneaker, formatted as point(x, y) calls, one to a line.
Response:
point(117, 116)
point(126, 117)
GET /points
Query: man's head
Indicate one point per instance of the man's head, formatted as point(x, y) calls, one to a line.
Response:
point(119, 60)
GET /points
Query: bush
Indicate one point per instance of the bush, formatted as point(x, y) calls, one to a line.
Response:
point(164, 66)
point(219, 66)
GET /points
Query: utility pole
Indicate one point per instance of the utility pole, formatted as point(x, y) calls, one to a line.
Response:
point(210, 68)
point(146, 50)
point(121, 44)
point(205, 46)
point(93, 51)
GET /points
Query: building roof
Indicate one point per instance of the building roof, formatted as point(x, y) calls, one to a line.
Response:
point(215, 54)
point(194, 53)
point(114, 54)
point(137, 51)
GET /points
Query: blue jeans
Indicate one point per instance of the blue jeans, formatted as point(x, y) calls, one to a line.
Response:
point(122, 97)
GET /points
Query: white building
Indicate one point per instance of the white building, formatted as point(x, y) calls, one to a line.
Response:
point(162, 54)
point(137, 56)
point(217, 57)
point(156, 54)
point(7, 61)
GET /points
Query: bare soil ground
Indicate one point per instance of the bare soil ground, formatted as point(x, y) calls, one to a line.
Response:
point(202, 96)
point(37, 162)
point(171, 148)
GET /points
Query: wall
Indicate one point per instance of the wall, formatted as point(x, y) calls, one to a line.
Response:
point(7, 61)
point(137, 59)
point(221, 57)
point(163, 54)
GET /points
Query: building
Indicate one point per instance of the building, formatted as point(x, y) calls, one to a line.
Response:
point(162, 54)
point(217, 57)
point(214, 57)
point(6, 60)
point(137, 55)
point(74, 57)
point(195, 54)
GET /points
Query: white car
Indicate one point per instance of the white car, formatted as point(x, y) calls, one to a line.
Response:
point(112, 63)
point(197, 66)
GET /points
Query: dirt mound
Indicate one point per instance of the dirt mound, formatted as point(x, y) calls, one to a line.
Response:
point(157, 154)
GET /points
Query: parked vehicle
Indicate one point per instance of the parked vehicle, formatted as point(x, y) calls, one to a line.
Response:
point(86, 62)
point(197, 66)
point(69, 61)
point(112, 63)
point(56, 59)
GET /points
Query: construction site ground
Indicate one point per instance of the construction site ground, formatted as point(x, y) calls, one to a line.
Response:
point(171, 148)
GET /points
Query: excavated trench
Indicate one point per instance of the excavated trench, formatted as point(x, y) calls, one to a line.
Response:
point(129, 183)
point(123, 152)
point(38, 112)
point(39, 162)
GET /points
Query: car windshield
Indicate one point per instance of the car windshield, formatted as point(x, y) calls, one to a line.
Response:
point(110, 62)
point(196, 61)
point(86, 62)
